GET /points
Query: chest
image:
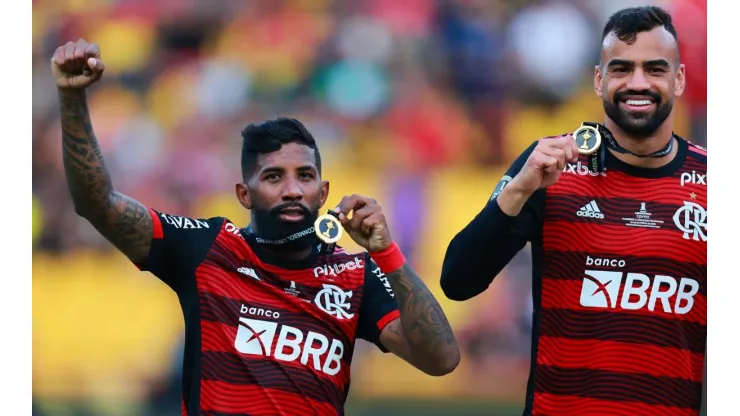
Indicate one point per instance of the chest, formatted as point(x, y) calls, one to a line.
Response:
point(613, 241)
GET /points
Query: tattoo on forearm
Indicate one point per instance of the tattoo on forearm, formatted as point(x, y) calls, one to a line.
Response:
point(122, 220)
point(424, 324)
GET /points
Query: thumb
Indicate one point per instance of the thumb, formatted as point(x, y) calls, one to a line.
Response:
point(95, 65)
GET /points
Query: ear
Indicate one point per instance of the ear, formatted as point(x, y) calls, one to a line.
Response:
point(243, 195)
point(598, 79)
point(324, 192)
point(679, 85)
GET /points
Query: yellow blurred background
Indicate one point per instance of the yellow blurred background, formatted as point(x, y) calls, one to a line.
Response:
point(419, 103)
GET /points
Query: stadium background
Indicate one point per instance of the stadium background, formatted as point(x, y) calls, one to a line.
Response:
point(419, 103)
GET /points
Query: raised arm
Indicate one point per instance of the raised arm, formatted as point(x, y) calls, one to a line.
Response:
point(126, 223)
point(413, 326)
point(512, 216)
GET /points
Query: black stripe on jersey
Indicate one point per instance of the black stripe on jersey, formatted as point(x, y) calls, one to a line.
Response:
point(619, 387)
point(623, 327)
point(268, 374)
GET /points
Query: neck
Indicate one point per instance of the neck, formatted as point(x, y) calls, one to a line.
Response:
point(285, 253)
point(644, 146)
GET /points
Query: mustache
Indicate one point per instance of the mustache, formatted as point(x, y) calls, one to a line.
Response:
point(278, 209)
point(622, 94)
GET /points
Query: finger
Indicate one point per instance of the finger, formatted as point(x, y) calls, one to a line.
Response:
point(546, 162)
point(79, 54)
point(92, 50)
point(371, 221)
point(96, 66)
point(574, 149)
point(69, 56)
point(359, 216)
point(568, 148)
point(58, 57)
point(350, 203)
point(557, 153)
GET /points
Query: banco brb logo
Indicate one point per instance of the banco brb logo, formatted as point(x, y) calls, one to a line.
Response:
point(334, 301)
point(258, 337)
point(604, 289)
point(691, 218)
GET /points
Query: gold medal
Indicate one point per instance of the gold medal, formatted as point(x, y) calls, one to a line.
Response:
point(588, 139)
point(328, 228)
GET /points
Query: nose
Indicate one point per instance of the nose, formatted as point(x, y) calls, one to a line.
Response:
point(291, 190)
point(638, 81)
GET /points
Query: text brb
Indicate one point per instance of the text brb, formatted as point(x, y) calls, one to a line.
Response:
point(258, 337)
point(604, 289)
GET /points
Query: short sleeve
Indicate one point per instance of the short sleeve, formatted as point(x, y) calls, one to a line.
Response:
point(379, 307)
point(179, 244)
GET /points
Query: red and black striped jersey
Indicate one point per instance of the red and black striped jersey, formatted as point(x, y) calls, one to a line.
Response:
point(619, 284)
point(266, 336)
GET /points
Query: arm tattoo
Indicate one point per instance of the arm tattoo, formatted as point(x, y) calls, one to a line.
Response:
point(423, 323)
point(122, 220)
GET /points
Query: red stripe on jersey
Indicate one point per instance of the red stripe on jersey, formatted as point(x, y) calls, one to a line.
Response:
point(566, 294)
point(568, 236)
point(222, 397)
point(156, 225)
point(620, 357)
point(556, 405)
point(183, 408)
point(696, 149)
point(388, 318)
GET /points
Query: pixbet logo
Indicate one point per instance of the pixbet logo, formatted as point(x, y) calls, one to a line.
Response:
point(693, 177)
point(603, 289)
point(258, 337)
point(336, 269)
point(580, 169)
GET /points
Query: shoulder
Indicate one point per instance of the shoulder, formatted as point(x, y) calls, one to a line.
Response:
point(695, 151)
point(189, 223)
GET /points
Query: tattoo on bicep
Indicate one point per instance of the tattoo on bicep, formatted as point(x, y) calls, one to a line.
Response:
point(425, 321)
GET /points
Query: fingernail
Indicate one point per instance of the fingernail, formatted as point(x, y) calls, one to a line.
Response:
point(336, 210)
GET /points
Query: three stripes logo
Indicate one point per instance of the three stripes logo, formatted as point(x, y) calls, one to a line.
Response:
point(590, 210)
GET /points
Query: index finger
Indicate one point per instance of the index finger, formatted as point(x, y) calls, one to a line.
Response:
point(92, 50)
point(351, 203)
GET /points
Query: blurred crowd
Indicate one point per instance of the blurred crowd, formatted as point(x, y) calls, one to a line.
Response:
point(420, 103)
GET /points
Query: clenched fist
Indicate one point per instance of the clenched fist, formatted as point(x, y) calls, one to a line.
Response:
point(76, 65)
point(546, 163)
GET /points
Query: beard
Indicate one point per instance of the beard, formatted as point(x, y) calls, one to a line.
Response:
point(637, 125)
point(270, 226)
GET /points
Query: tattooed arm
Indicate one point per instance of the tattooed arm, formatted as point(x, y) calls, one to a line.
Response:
point(123, 221)
point(421, 336)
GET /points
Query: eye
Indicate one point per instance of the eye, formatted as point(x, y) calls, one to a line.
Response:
point(306, 175)
point(619, 70)
point(272, 177)
point(657, 70)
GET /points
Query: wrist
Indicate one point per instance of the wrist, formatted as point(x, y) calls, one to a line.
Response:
point(72, 92)
point(389, 259)
point(512, 198)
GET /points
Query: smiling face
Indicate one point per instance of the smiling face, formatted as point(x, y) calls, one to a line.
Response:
point(638, 79)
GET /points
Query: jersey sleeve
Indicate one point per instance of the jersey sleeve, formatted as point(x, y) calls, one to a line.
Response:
point(179, 244)
point(486, 245)
point(379, 307)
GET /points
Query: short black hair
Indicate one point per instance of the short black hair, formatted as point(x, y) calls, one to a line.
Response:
point(627, 23)
point(269, 136)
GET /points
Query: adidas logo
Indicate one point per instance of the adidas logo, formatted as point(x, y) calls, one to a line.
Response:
point(248, 272)
point(590, 210)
